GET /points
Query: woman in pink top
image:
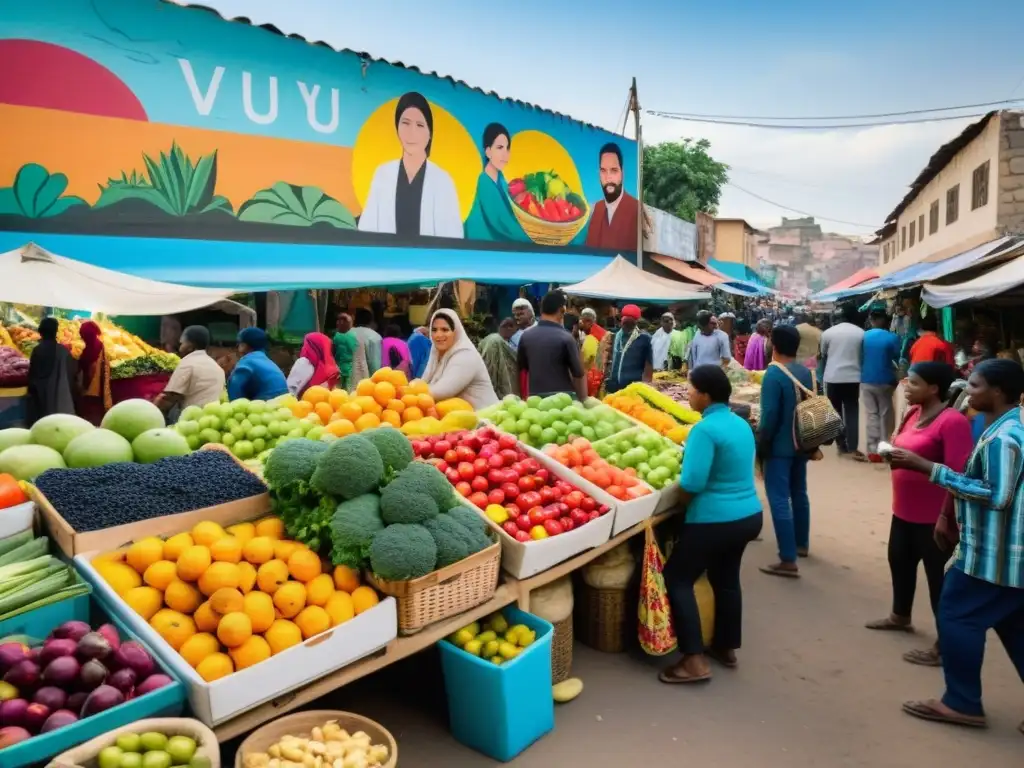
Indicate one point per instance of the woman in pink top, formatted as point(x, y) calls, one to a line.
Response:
point(394, 352)
point(943, 434)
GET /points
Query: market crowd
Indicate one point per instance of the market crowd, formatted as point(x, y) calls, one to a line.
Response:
point(945, 417)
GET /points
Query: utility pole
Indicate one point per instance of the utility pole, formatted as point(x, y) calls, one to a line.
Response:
point(634, 107)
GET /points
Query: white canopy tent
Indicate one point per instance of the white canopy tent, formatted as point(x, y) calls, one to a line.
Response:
point(32, 275)
point(999, 280)
point(621, 281)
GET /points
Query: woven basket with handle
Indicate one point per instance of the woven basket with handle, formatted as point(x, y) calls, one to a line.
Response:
point(445, 592)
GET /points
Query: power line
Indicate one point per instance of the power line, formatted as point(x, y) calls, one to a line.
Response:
point(799, 182)
point(793, 127)
point(870, 116)
point(797, 210)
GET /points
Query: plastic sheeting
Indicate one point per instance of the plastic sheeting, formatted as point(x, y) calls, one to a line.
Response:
point(31, 275)
point(999, 280)
point(621, 281)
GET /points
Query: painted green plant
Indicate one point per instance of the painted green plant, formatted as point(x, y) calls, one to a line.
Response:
point(172, 183)
point(36, 194)
point(296, 206)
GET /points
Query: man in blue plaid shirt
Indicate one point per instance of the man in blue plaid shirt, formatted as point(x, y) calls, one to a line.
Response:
point(984, 587)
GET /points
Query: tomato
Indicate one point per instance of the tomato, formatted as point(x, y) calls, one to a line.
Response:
point(506, 441)
point(588, 504)
point(441, 464)
point(542, 474)
point(524, 522)
point(538, 532)
point(556, 493)
point(523, 503)
point(451, 456)
point(537, 515)
point(533, 497)
point(494, 460)
point(526, 483)
point(495, 477)
point(463, 489)
point(553, 527)
point(478, 500)
point(481, 485)
point(567, 524)
point(573, 499)
point(523, 536)
point(463, 453)
point(547, 495)
point(509, 456)
point(579, 517)
point(472, 442)
point(496, 497)
point(441, 447)
point(466, 471)
point(552, 513)
point(603, 509)
point(594, 515)
point(510, 528)
point(531, 465)
point(453, 476)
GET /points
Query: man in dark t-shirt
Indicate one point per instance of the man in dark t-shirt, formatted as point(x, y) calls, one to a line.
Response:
point(549, 354)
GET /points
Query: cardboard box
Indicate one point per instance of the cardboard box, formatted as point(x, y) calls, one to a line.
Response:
point(219, 701)
point(72, 542)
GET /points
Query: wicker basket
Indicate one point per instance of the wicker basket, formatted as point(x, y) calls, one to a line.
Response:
point(550, 232)
point(302, 723)
point(86, 755)
point(445, 592)
point(602, 618)
point(561, 651)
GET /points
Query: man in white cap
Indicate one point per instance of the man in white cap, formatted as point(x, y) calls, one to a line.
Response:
point(522, 311)
point(660, 341)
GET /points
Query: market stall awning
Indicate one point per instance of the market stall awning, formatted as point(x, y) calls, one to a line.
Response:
point(31, 275)
point(737, 279)
point(860, 276)
point(253, 266)
point(1003, 278)
point(621, 281)
point(686, 271)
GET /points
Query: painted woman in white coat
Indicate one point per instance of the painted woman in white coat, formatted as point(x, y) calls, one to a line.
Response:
point(412, 196)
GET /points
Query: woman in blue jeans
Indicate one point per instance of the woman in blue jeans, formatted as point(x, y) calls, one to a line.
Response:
point(784, 465)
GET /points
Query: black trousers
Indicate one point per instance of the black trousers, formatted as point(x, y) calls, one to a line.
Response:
point(909, 545)
point(845, 398)
point(715, 548)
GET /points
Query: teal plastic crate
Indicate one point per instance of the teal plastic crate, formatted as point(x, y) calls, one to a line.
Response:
point(168, 701)
point(39, 622)
point(501, 710)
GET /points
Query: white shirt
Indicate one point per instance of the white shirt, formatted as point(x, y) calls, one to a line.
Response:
point(300, 375)
point(842, 347)
point(612, 207)
point(659, 348)
point(440, 215)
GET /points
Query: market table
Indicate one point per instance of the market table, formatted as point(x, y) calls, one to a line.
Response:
point(509, 592)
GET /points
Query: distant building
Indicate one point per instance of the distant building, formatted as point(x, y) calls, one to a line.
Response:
point(736, 242)
point(798, 257)
point(970, 193)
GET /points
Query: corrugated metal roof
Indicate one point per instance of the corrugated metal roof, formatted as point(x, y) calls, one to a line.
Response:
point(938, 161)
point(373, 59)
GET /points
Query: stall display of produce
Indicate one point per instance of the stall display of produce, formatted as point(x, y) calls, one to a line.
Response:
point(555, 419)
point(655, 410)
point(31, 578)
point(13, 368)
point(326, 738)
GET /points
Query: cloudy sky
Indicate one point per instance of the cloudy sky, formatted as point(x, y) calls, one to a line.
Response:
point(734, 57)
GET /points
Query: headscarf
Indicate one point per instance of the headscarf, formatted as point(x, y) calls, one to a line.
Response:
point(44, 356)
point(254, 338)
point(462, 344)
point(90, 359)
point(316, 348)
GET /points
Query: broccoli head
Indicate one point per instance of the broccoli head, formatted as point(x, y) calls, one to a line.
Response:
point(452, 540)
point(292, 462)
point(474, 525)
point(427, 479)
point(348, 468)
point(403, 551)
point(354, 523)
point(394, 447)
point(404, 502)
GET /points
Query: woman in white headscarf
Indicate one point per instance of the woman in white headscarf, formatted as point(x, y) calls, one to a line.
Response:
point(455, 368)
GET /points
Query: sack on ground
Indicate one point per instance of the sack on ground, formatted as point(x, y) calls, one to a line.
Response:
point(655, 631)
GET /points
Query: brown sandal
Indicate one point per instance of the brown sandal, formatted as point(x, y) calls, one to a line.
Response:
point(923, 658)
point(778, 570)
point(934, 711)
point(669, 677)
point(888, 625)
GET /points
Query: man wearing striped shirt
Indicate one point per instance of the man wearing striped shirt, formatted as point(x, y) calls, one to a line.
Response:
point(984, 588)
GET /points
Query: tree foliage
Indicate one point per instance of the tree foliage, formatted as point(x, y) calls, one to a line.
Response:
point(682, 178)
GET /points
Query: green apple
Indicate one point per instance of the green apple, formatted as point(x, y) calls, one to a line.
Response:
point(181, 749)
point(129, 742)
point(110, 757)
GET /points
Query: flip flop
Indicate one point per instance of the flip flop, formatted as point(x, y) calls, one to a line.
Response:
point(670, 679)
point(926, 658)
point(888, 625)
point(722, 659)
point(773, 570)
point(926, 710)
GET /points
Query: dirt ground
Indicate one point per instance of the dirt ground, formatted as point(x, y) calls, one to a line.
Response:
point(813, 689)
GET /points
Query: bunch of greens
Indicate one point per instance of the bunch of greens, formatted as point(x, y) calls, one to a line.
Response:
point(30, 578)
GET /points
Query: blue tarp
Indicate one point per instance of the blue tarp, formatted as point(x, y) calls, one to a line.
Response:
point(744, 282)
point(248, 266)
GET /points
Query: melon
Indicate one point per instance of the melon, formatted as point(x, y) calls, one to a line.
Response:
point(98, 448)
point(156, 444)
point(131, 418)
point(58, 429)
point(14, 436)
point(25, 462)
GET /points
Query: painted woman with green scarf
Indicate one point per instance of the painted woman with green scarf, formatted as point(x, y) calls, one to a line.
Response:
point(492, 217)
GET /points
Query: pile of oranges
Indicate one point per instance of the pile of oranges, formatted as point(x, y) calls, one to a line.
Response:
point(229, 598)
point(642, 411)
point(387, 397)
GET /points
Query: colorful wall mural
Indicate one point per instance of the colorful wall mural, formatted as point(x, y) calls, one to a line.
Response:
point(143, 118)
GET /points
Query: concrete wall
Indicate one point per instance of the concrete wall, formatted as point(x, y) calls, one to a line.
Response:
point(1011, 174)
point(730, 241)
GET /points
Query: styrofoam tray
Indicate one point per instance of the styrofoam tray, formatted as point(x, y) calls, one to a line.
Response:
point(221, 700)
point(17, 519)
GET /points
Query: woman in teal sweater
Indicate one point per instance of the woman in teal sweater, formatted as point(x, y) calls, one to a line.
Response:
point(723, 515)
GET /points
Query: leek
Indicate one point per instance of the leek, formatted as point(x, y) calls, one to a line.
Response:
point(46, 567)
point(15, 541)
point(40, 589)
point(33, 549)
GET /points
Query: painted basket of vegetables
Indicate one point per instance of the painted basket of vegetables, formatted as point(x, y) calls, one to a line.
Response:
point(548, 211)
point(446, 592)
point(319, 733)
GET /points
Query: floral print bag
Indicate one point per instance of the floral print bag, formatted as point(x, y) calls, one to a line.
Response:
point(655, 631)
